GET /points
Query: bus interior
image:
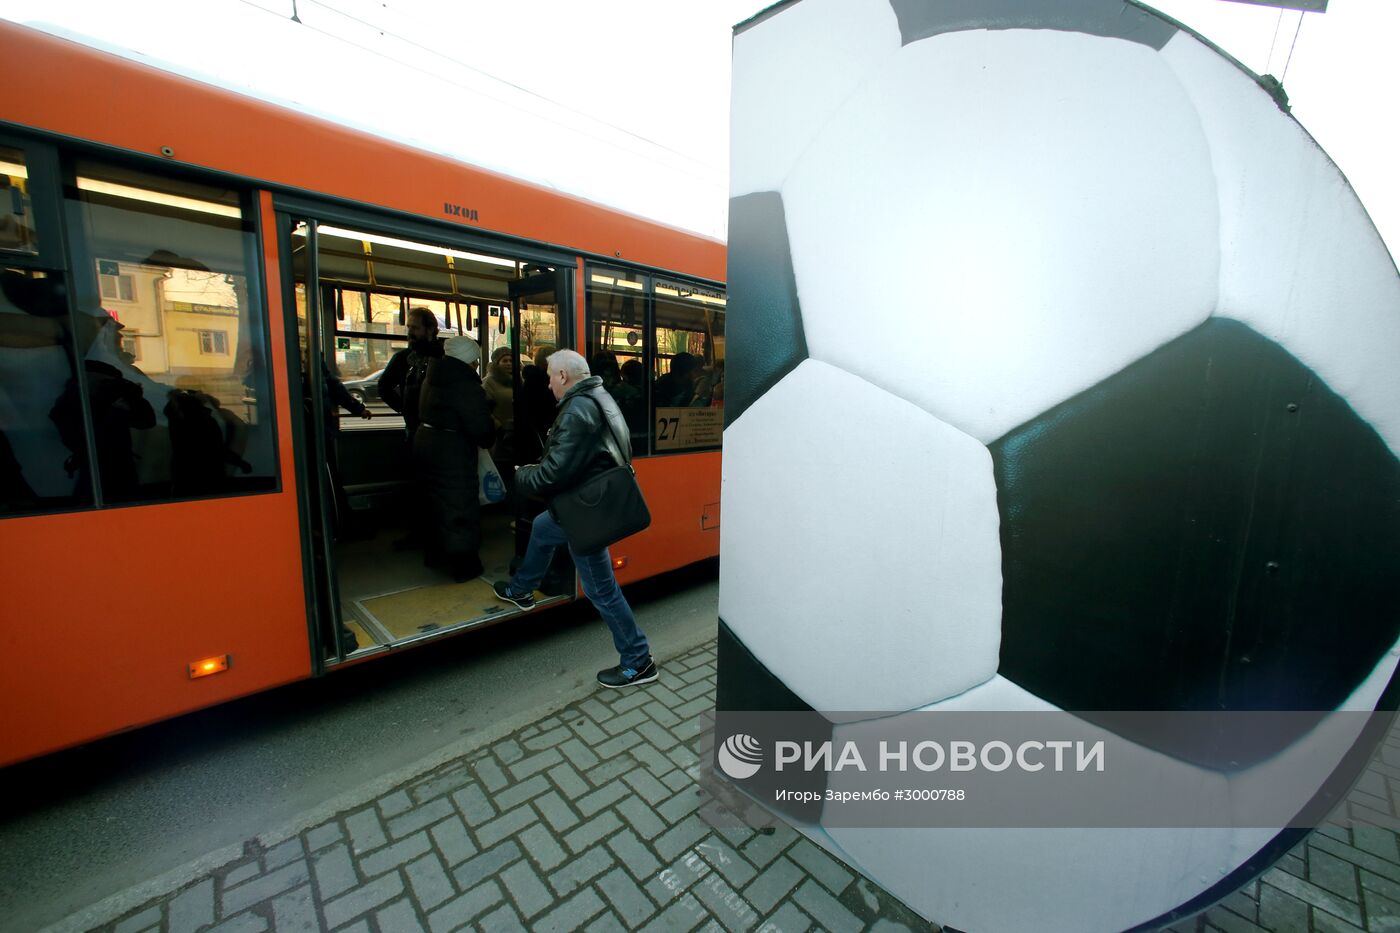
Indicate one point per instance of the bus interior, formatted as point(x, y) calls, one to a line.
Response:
point(379, 580)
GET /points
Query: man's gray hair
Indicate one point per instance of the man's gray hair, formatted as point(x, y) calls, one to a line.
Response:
point(574, 365)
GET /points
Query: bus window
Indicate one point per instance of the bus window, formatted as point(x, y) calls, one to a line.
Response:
point(386, 315)
point(17, 233)
point(386, 311)
point(41, 456)
point(370, 281)
point(616, 343)
point(172, 337)
point(539, 326)
point(359, 362)
point(688, 367)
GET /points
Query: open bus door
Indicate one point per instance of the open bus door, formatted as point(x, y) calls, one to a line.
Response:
point(311, 337)
point(538, 303)
point(375, 574)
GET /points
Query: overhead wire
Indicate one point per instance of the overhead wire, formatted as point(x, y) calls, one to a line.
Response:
point(1299, 29)
point(1272, 44)
point(708, 170)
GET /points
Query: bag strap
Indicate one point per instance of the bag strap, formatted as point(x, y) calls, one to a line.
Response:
point(607, 424)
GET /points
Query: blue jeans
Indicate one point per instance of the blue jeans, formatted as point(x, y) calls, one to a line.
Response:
point(599, 585)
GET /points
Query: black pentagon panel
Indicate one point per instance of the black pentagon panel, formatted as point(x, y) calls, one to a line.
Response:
point(744, 684)
point(1211, 528)
point(765, 338)
point(1113, 19)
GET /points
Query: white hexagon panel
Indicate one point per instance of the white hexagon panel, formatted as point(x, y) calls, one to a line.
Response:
point(825, 48)
point(1022, 251)
point(883, 621)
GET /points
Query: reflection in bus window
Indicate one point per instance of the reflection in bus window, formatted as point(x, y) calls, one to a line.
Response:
point(539, 327)
point(16, 211)
point(541, 333)
point(172, 340)
point(38, 471)
point(616, 343)
point(688, 394)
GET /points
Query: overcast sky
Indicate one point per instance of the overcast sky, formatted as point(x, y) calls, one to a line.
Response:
point(626, 101)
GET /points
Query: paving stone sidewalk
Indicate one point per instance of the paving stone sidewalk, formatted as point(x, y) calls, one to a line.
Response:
point(584, 820)
point(587, 820)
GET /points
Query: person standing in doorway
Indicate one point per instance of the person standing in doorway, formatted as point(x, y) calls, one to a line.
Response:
point(499, 385)
point(583, 442)
point(400, 387)
point(403, 376)
point(456, 422)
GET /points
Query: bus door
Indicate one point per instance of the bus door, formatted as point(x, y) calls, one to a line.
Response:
point(308, 334)
point(386, 568)
point(537, 302)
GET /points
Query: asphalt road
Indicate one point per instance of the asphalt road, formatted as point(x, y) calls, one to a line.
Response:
point(81, 825)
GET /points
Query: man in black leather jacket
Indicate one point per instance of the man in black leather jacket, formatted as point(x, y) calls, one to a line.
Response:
point(586, 439)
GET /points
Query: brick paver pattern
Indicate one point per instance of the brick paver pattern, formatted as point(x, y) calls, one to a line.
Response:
point(587, 820)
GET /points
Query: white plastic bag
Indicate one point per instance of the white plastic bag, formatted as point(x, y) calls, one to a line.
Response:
point(490, 487)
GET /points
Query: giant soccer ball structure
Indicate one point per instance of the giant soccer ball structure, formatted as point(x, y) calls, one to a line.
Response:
point(1061, 375)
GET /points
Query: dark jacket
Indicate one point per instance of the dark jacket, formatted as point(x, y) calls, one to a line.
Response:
point(117, 406)
point(337, 396)
point(451, 399)
point(533, 415)
point(672, 391)
point(581, 444)
point(402, 380)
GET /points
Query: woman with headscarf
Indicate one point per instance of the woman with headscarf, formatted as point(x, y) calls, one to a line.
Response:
point(499, 386)
point(455, 421)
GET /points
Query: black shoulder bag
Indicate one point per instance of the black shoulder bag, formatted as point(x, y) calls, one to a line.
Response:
point(603, 509)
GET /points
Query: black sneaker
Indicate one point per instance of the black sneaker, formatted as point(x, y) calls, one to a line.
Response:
point(617, 677)
point(504, 594)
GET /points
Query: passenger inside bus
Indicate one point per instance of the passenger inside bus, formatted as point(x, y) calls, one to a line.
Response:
point(630, 398)
point(333, 398)
point(709, 388)
point(399, 386)
point(537, 406)
point(403, 376)
point(456, 422)
point(677, 387)
point(499, 385)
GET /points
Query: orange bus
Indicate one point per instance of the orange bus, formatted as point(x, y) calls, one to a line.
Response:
point(185, 273)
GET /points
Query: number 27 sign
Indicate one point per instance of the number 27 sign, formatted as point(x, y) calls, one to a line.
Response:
point(680, 428)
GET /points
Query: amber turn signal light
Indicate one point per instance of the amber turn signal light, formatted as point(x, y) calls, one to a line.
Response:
point(619, 563)
point(214, 665)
